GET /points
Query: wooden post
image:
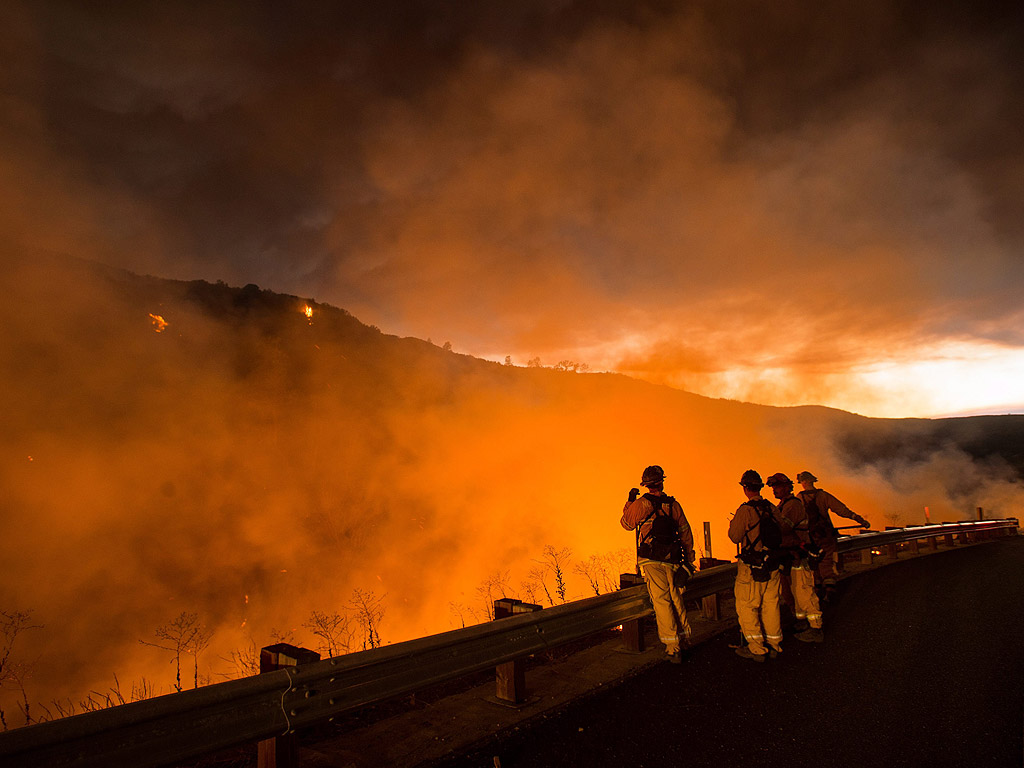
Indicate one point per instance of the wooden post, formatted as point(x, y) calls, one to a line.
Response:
point(981, 513)
point(281, 751)
point(709, 607)
point(510, 677)
point(948, 540)
point(632, 630)
point(913, 546)
point(933, 542)
point(893, 551)
point(866, 556)
point(707, 539)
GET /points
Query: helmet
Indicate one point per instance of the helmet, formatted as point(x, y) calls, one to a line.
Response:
point(751, 479)
point(653, 474)
point(805, 475)
point(778, 479)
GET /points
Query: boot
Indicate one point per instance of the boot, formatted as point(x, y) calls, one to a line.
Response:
point(811, 635)
point(746, 653)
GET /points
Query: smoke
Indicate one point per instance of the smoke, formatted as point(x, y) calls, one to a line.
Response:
point(758, 202)
point(252, 465)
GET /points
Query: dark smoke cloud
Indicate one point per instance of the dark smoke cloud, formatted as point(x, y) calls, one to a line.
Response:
point(549, 179)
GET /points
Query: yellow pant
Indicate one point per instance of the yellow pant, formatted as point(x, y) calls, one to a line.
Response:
point(669, 608)
point(757, 603)
point(801, 582)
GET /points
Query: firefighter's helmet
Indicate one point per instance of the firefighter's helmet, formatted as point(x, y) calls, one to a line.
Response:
point(805, 475)
point(751, 479)
point(778, 479)
point(652, 475)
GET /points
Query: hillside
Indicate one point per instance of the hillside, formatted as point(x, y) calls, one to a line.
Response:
point(177, 447)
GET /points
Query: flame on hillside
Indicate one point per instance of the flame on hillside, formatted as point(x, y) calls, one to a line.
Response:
point(159, 324)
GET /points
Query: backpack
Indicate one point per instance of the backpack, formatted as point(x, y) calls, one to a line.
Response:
point(663, 541)
point(769, 532)
point(819, 522)
point(763, 562)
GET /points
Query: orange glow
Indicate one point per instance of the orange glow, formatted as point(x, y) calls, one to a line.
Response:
point(308, 312)
point(158, 322)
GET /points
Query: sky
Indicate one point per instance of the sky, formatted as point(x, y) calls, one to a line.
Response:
point(780, 203)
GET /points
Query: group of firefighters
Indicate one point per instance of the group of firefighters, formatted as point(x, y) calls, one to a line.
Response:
point(786, 546)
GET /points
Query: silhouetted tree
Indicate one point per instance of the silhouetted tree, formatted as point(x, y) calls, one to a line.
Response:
point(332, 630)
point(572, 366)
point(369, 612)
point(14, 674)
point(178, 636)
point(591, 569)
point(494, 587)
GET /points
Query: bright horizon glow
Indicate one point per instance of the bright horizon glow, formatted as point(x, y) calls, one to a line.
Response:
point(957, 378)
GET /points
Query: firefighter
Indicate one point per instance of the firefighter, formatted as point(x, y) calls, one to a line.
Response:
point(664, 556)
point(755, 528)
point(796, 538)
point(819, 503)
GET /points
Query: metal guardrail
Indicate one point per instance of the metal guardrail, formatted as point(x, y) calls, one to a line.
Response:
point(181, 726)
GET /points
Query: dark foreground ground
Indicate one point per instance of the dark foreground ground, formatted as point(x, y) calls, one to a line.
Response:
point(922, 666)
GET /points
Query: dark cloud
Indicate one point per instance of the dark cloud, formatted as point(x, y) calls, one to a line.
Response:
point(545, 179)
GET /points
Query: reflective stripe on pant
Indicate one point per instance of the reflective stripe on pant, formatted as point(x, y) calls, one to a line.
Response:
point(757, 603)
point(669, 607)
point(801, 580)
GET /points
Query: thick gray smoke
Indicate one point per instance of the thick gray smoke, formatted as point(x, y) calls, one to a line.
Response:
point(760, 201)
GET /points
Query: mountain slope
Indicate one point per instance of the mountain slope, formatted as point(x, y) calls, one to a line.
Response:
point(184, 446)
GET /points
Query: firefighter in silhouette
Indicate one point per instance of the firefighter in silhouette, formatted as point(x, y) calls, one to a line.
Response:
point(805, 554)
point(664, 556)
point(756, 530)
point(819, 503)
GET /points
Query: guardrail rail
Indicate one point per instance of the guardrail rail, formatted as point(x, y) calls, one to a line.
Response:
point(181, 726)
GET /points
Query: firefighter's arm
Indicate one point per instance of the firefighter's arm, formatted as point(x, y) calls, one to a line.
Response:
point(740, 524)
point(793, 516)
point(837, 507)
point(632, 513)
point(685, 532)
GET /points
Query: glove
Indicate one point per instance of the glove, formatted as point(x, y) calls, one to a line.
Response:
point(633, 493)
point(864, 523)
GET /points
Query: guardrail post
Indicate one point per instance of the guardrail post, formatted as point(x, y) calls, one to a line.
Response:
point(933, 542)
point(510, 677)
point(913, 546)
point(709, 605)
point(948, 540)
point(281, 751)
point(632, 630)
point(866, 556)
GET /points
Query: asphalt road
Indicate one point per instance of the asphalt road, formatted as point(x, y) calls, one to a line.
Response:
point(922, 666)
